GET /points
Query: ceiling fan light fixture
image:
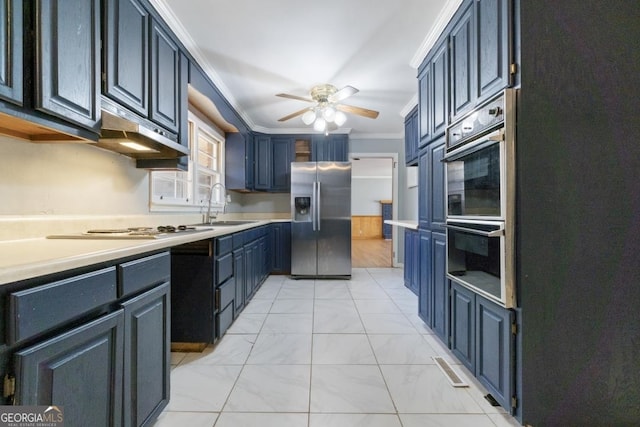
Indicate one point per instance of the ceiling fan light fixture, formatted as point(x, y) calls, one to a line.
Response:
point(320, 124)
point(329, 114)
point(340, 118)
point(308, 117)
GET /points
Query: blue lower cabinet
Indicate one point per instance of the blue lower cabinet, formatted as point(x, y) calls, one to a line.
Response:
point(463, 325)
point(425, 287)
point(240, 277)
point(80, 370)
point(440, 285)
point(411, 260)
point(495, 341)
point(280, 253)
point(147, 355)
point(387, 214)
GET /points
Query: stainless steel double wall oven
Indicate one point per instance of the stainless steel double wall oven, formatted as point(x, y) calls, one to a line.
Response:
point(480, 188)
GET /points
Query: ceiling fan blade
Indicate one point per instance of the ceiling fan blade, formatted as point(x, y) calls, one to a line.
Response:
point(292, 115)
point(296, 97)
point(343, 93)
point(357, 110)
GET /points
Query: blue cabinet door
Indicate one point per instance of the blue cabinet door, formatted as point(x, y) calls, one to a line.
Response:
point(263, 165)
point(407, 257)
point(330, 148)
point(249, 272)
point(462, 38)
point(240, 278)
point(425, 103)
point(68, 61)
point(425, 288)
point(281, 247)
point(282, 151)
point(147, 355)
point(440, 89)
point(81, 369)
point(463, 332)
point(11, 85)
point(424, 189)
point(387, 214)
point(165, 78)
point(411, 260)
point(411, 137)
point(494, 350)
point(440, 286)
point(436, 204)
point(126, 46)
point(492, 45)
point(415, 271)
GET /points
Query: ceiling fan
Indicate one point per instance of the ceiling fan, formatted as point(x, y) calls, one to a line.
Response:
point(327, 113)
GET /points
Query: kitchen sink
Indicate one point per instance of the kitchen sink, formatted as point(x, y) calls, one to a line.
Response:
point(223, 223)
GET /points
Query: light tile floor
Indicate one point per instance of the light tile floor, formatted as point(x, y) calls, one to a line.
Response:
point(316, 353)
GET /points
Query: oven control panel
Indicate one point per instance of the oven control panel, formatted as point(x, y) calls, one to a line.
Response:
point(482, 120)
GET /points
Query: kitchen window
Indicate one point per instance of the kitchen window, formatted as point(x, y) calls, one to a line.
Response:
point(189, 190)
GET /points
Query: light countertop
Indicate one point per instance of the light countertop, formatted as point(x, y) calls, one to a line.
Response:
point(30, 258)
point(406, 223)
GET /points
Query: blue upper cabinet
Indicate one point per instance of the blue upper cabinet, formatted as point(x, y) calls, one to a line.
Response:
point(425, 188)
point(462, 61)
point(273, 157)
point(127, 54)
point(492, 45)
point(142, 64)
point(331, 148)
point(263, 165)
point(68, 60)
point(440, 90)
point(281, 157)
point(433, 87)
point(425, 102)
point(11, 51)
point(480, 55)
point(411, 137)
point(165, 78)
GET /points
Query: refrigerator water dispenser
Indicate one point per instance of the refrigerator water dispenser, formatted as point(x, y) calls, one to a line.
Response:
point(302, 211)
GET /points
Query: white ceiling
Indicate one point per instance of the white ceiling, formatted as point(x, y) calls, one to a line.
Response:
point(254, 49)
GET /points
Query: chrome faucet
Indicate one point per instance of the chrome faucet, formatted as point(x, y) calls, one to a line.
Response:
point(209, 218)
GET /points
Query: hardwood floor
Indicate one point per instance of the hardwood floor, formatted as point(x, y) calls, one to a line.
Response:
point(371, 253)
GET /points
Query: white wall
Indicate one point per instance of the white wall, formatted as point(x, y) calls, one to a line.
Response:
point(372, 181)
point(69, 179)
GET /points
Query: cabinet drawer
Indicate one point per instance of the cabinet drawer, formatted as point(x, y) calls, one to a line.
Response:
point(36, 310)
point(225, 318)
point(225, 294)
point(224, 268)
point(238, 240)
point(134, 276)
point(224, 245)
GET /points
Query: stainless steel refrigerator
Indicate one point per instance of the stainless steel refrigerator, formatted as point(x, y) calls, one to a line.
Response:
point(320, 219)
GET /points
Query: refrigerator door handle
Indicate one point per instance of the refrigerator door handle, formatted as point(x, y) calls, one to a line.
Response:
point(314, 207)
point(318, 205)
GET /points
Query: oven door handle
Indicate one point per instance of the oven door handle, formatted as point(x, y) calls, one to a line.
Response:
point(495, 233)
point(469, 148)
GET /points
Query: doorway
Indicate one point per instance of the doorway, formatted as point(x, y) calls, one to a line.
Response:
point(374, 184)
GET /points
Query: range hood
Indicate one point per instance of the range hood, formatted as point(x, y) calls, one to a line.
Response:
point(133, 136)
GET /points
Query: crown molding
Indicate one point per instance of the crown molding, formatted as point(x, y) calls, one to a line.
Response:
point(445, 15)
point(407, 108)
point(176, 26)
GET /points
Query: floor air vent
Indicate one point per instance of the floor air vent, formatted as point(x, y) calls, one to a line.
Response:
point(448, 371)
